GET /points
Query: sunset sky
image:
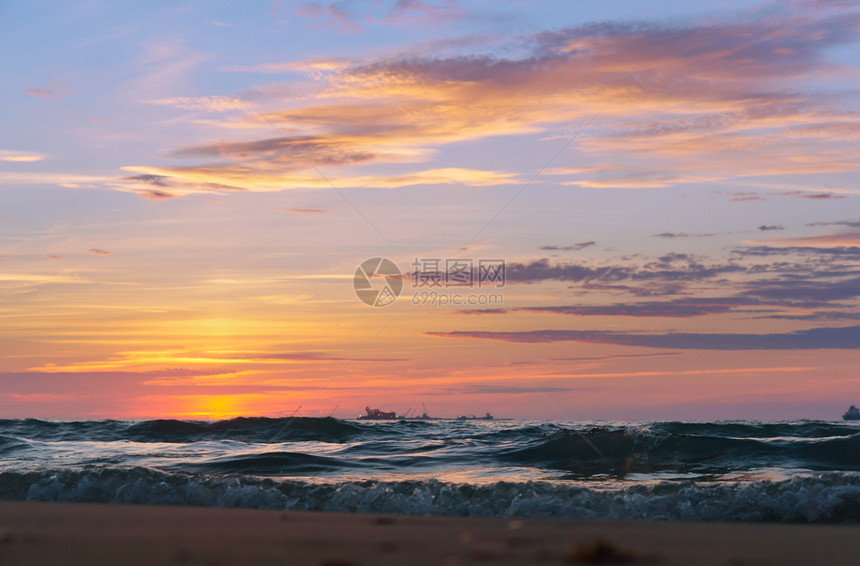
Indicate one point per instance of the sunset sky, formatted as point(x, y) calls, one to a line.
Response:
point(186, 193)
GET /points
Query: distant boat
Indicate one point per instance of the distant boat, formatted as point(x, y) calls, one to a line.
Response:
point(377, 415)
point(852, 414)
point(423, 416)
point(487, 417)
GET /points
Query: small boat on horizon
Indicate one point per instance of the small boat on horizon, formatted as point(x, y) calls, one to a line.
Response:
point(852, 414)
point(422, 417)
point(377, 415)
point(486, 417)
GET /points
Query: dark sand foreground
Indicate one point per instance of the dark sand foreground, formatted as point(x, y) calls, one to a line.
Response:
point(51, 533)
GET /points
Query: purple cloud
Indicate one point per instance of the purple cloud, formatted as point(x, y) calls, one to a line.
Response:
point(812, 339)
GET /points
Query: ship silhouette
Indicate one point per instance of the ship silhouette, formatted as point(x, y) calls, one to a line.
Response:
point(377, 415)
point(486, 417)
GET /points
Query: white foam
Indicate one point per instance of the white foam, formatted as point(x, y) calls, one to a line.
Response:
point(831, 497)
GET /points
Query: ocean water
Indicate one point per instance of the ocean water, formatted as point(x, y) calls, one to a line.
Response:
point(802, 471)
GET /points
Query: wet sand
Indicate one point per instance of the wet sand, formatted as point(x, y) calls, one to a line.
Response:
point(78, 534)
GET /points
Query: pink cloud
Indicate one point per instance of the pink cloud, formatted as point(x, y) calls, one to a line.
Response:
point(332, 15)
point(48, 90)
point(303, 210)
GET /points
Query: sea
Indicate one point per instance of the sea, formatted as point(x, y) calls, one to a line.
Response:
point(794, 472)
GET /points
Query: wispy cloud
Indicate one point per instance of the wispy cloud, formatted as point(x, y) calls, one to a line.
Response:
point(840, 240)
point(491, 389)
point(681, 235)
point(688, 270)
point(48, 90)
point(682, 308)
point(334, 15)
point(342, 17)
point(20, 156)
point(303, 210)
point(420, 13)
point(849, 252)
point(813, 196)
point(225, 178)
point(207, 103)
point(848, 223)
point(574, 247)
point(617, 357)
point(749, 196)
point(315, 67)
point(812, 339)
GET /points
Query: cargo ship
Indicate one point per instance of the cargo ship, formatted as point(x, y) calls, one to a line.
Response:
point(377, 415)
point(487, 417)
point(852, 414)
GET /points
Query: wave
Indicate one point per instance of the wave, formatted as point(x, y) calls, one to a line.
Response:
point(329, 428)
point(268, 463)
point(10, 443)
point(636, 450)
point(827, 498)
point(302, 446)
point(247, 429)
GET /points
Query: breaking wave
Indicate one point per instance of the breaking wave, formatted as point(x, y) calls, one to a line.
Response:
point(804, 471)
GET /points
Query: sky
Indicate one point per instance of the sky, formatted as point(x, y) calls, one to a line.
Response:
point(188, 193)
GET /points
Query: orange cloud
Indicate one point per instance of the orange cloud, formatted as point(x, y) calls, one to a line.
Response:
point(190, 180)
point(20, 156)
point(696, 103)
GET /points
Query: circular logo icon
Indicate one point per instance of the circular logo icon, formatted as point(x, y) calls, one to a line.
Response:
point(377, 282)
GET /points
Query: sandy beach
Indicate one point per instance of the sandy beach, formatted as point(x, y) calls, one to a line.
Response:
point(58, 533)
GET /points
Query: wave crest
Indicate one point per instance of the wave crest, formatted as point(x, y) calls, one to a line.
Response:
point(828, 498)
